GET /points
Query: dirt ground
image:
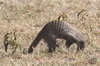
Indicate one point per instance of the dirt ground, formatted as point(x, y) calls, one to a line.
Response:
point(27, 18)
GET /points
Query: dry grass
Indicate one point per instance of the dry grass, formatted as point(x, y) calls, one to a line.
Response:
point(27, 17)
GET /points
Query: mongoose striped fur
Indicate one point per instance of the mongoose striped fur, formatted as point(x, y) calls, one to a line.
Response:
point(58, 29)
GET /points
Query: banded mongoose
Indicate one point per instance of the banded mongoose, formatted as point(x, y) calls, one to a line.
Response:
point(58, 29)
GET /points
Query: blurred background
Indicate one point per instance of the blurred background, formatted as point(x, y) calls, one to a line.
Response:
point(27, 18)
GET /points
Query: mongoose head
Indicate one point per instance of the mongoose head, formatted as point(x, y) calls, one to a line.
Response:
point(81, 45)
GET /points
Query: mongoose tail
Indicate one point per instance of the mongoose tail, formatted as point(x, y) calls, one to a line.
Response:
point(35, 43)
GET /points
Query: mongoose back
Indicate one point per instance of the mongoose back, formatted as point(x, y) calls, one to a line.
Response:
point(58, 29)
